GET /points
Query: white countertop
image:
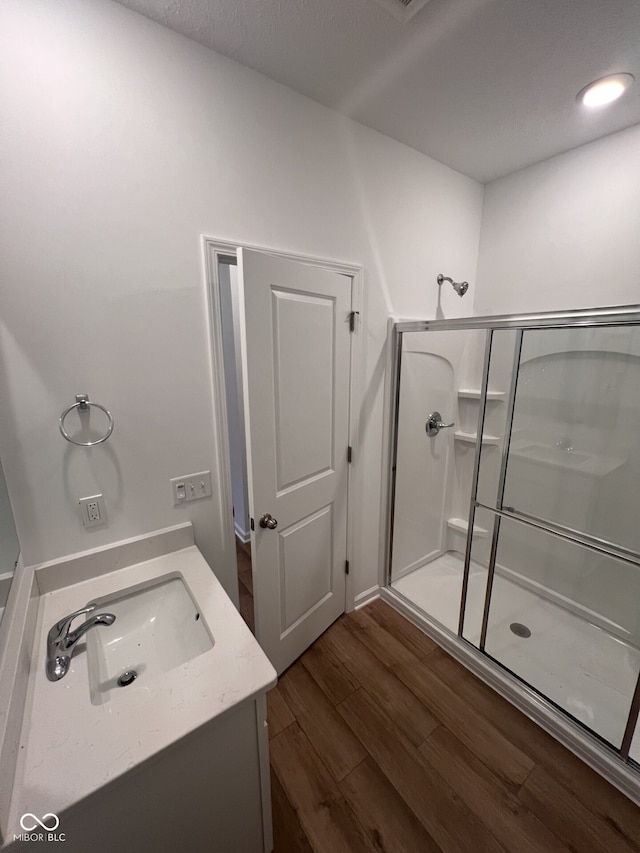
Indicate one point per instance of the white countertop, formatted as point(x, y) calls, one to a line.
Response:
point(71, 747)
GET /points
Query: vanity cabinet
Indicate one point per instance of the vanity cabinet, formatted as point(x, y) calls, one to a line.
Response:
point(176, 759)
point(206, 793)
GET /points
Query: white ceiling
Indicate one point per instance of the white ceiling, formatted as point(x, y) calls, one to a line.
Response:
point(485, 86)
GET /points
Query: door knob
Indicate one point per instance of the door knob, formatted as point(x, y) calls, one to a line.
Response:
point(268, 521)
point(434, 424)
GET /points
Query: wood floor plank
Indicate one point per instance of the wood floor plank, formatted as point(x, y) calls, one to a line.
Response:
point(243, 547)
point(407, 712)
point(487, 779)
point(324, 814)
point(507, 761)
point(246, 607)
point(602, 798)
point(496, 806)
point(328, 733)
point(279, 715)
point(384, 645)
point(288, 835)
point(245, 572)
point(413, 638)
point(572, 821)
point(440, 811)
point(387, 819)
point(329, 673)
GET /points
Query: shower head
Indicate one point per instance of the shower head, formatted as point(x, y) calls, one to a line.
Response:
point(460, 287)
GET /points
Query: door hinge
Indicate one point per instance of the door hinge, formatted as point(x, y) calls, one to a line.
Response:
point(346, 567)
point(349, 453)
point(253, 527)
point(352, 320)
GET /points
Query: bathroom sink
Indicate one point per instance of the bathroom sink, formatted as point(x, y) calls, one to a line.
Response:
point(158, 627)
point(557, 455)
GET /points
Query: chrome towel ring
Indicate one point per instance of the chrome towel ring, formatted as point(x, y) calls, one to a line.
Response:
point(82, 403)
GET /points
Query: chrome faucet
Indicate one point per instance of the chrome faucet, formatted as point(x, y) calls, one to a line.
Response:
point(61, 642)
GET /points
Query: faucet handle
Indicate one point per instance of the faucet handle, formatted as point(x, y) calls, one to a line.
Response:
point(61, 628)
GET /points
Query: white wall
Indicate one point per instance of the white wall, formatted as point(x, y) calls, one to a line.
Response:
point(123, 144)
point(565, 233)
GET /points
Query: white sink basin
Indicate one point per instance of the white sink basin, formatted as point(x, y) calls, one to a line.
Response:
point(158, 627)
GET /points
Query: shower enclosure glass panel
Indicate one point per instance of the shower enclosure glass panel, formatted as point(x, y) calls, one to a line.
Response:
point(501, 382)
point(558, 614)
point(558, 619)
point(574, 455)
point(440, 373)
point(503, 347)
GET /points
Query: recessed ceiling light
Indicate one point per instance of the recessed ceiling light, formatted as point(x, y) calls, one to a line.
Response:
point(605, 90)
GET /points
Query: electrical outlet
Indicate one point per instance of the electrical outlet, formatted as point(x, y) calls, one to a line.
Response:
point(92, 511)
point(191, 487)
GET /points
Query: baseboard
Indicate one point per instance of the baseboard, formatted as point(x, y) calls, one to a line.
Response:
point(366, 597)
point(243, 535)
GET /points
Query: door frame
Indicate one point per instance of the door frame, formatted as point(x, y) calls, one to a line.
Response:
point(215, 250)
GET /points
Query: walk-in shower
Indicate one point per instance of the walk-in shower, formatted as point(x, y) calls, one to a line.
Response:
point(514, 522)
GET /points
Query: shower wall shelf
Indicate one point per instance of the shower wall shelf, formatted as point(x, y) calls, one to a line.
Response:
point(461, 525)
point(472, 437)
point(476, 394)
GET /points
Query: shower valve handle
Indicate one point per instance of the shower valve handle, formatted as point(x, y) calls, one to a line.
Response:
point(434, 424)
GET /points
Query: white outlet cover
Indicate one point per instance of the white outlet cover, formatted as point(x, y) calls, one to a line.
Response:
point(92, 511)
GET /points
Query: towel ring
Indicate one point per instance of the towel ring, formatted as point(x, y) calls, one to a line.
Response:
point(82, 403)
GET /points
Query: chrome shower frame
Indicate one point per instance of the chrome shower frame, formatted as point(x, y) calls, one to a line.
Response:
point(614, 764)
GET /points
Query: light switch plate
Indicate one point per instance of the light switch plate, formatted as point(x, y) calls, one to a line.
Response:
point(191, 487)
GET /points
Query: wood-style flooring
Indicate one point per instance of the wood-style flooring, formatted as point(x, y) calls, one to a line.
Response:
point(379, 741)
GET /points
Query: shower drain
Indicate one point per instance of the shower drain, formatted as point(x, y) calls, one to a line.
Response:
point(127, 678)
point(519, 629)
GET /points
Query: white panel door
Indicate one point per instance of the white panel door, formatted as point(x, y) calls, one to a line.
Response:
point(296, 388)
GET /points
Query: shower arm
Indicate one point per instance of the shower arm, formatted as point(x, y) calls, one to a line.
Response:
point(460, 287)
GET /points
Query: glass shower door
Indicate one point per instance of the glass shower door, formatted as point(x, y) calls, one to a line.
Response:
point(563, 574)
